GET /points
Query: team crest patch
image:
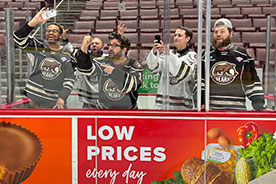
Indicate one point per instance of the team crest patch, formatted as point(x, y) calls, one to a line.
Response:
point(223, 73)
point(239, 59)
point(50, 68)
point(111, 90)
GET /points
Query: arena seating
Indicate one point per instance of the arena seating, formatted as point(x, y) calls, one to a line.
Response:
point(145, 18)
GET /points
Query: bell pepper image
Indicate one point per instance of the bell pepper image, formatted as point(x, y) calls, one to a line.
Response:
point(248, 133)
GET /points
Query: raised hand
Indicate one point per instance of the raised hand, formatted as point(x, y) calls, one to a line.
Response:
point(87, 40)
point(38, 18)
point(121, 28)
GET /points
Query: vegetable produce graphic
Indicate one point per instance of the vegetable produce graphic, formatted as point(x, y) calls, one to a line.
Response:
point(242, 171)
point(248, 133)
point(247, 155)
point(261, 155)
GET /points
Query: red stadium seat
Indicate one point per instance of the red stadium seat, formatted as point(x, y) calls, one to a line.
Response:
point(148, 4)
point(233, 12)
point(221, 3)
point(189, 13)
point(20, 15)
point(89, 15)
point(269, 10)
point(254, 12)
point(242, 3)
point(2, 15)
point(260, 3)
point(94, 5)
point(111, 5)
point(16, 25)
point(174, 13)
point(255, 39)
point(146, 40)
point(102, 36)
point(215, 13)
point(149, 25)
point(134, 39)
point(2, 40)
point(84, 27)
point(109, 14)
point(75, 39)
point(174, 23)
point(261, 56)
point(186, 3)
point(195, 38)
point(129, 14)
point(160, 3)
point(134, 54)
point(261, 24)
point(105, 26)
point(15, 5)
point(192, 24)
point(237, 38)
point(243, 24)
point(132, 25)
point(149, 13)
point(131, 4)
point(32, 6)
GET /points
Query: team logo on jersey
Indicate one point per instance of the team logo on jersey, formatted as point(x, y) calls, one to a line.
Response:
point(223, 72)
point(111, 90)
point(50, 68)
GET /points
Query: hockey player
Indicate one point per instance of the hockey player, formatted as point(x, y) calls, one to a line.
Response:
point(89, 88)
point(233, 76)
point(119, 77)
point(52, 77)
point(182, 64)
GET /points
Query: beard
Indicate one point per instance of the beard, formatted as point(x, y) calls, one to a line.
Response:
point(53, 41)
point(112, 55)
point(222, 44)
point(96, 51)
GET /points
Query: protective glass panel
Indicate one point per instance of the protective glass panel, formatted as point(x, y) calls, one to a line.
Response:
point(133, 73)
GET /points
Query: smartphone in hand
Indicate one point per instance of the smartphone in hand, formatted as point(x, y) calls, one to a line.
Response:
point(157, 38)
point(49, 14)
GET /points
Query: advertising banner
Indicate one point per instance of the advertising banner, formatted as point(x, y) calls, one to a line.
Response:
point(35, 150)
point(134, 150)
point(114, 148)
point(150, 83)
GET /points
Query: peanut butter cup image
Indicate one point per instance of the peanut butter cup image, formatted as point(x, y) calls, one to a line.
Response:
point(20, 151)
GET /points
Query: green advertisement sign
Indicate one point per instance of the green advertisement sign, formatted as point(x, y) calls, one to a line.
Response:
point(150, 82)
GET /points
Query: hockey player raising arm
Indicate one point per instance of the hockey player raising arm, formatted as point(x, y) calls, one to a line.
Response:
point(119, 76)
point(52, 76)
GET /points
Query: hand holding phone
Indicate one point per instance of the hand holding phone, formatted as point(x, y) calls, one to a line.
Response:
point(157, 38)
point(49, 14)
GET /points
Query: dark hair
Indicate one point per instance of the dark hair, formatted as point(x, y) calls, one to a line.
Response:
point(188, 32)
point(230, 30)
point(59, 26)
point(125, 43)
point(100, 40)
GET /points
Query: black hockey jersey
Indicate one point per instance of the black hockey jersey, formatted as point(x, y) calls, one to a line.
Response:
point(52, 75)
point(119, 90)
point(233, 77)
